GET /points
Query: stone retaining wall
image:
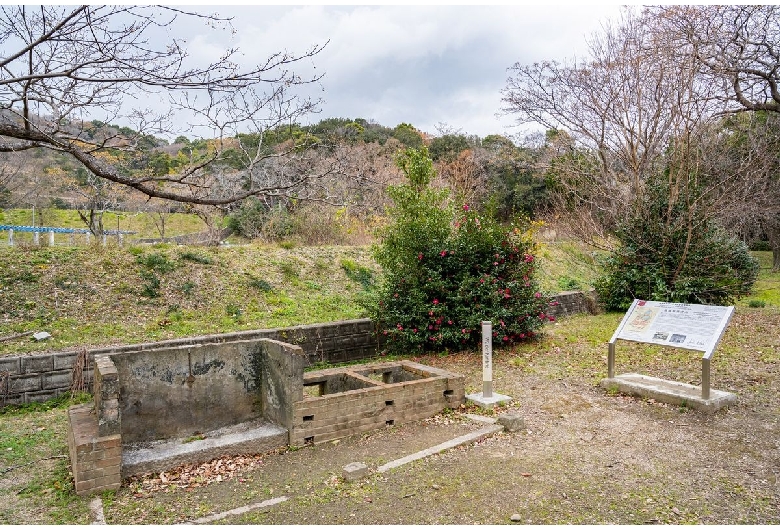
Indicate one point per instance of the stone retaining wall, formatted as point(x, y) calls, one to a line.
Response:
point(40, 377)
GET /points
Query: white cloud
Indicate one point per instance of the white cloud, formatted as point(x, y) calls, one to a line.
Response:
point(422, 65)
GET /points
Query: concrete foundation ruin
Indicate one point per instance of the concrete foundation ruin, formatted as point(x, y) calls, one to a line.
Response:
point(154, 409)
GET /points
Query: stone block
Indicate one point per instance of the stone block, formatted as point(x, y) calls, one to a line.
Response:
point(24, 383)
point(512, 421)
point(63, 361)
point(11, 365)
point(355, 471)
point(57, 379)
point(37, 363)
point(40, 396)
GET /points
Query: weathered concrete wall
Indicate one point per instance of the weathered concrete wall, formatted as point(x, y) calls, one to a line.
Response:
point(106, 397)
point(180, 391)
point(281, 380)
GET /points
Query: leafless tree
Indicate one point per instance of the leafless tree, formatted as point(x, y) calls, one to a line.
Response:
point(615, 117)
point(63, 66)
point(737, 49)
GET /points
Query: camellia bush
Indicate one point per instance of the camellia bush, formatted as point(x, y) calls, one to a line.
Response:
point(447, 268)
point(671, 253)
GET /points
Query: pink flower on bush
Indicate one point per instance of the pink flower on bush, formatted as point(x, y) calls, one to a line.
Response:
point(528, 258)
point(537, 294)
point(443, 253)
point(465, 207)
point(420, 256)
point(435, 301)
point(506, 338)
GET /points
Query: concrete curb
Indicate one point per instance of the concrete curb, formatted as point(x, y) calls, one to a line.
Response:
point(461, 440)
point(238, 511)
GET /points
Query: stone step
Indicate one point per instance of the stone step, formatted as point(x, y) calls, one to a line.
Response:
point(253, 437)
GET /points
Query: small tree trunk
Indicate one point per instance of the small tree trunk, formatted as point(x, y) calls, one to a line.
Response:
point(773, 235)
point(94, 222)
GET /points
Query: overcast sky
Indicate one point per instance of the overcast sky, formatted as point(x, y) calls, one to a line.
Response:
point(420, 65)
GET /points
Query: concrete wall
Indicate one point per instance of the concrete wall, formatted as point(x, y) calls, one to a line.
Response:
point(281, 380)
point(180, 391)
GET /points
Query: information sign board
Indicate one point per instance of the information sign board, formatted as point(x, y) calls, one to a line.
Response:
point(690, 326)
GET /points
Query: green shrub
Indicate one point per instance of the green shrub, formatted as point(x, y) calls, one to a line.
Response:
point(196, 258)
point(259, 283)
point(756, 303)
point(569, 284)
point(255, 219)
point(760, 245)
point(358, 273)
point(670, 252)
point(446, 271)
point(156, 262)
point(152, 265)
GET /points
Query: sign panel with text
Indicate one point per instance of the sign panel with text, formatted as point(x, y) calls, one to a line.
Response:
point(689, 326)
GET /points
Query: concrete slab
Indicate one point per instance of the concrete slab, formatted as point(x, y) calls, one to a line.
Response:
point(488, 402)
point(670, 392)
point(246, 438)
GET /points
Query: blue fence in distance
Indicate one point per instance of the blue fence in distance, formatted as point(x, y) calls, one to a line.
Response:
point(48, 229)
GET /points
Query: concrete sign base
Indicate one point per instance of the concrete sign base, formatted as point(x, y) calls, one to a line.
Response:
point(488, 402)
point(670, 392)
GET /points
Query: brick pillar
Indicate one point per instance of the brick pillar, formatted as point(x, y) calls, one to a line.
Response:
point(106, 393)
point(96, 461)
point(94, 436)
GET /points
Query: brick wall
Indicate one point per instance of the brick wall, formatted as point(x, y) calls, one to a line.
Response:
point(324, 418)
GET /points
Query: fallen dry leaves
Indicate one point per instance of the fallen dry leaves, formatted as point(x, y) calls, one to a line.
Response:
point(190, 476)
